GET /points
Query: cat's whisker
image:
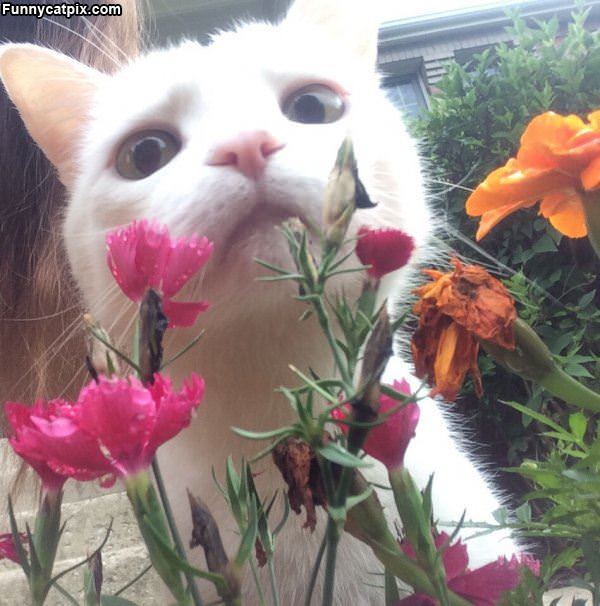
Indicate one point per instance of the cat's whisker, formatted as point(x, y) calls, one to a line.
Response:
point(44, 359)
point(86, 40)
point(100, 35)
point(119, 344)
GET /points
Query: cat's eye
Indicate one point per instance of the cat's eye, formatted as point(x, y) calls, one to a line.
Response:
point(145, 152)
point(314, 104)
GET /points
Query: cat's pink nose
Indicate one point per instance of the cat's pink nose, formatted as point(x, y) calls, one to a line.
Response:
point(248, 152)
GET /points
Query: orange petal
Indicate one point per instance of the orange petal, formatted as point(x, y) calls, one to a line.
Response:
point(590, 177)
point(564, 210)
point(552, 129)
point(594, 120)
point(512, 184)
point(491, 218)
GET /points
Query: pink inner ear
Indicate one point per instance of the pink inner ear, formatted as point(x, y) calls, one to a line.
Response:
point(53, 94)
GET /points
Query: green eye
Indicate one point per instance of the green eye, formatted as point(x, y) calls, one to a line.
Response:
point(314, 104)
point(145, 152)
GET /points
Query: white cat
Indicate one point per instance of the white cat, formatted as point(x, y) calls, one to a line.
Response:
point(227, 141)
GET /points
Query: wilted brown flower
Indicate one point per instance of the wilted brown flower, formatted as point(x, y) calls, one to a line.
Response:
point(299, 467)
point(455, 311)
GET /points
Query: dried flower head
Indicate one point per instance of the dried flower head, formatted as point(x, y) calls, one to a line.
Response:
point(299, 467)
point(455, 310)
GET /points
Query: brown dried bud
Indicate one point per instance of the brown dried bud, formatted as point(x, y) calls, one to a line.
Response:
point(299, 467)
point(205, 533)
point(154, 323)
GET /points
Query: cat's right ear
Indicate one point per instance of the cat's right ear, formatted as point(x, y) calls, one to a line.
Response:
point(53, 94)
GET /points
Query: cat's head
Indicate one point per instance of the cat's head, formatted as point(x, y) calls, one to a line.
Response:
point(225, 140)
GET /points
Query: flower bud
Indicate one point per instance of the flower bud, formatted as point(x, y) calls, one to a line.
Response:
point(340, 196)
point(101, 360)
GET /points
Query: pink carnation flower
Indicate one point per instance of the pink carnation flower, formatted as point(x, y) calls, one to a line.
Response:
point(388, 442)
point(385, 250)
point(131, 421)
point(113, 429)
point(483, 586)
point(143, 255)
point(8, 550)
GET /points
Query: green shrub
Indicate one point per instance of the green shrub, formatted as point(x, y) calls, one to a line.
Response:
point(473, 126)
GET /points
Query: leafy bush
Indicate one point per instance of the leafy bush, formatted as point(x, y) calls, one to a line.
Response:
point(473, 126)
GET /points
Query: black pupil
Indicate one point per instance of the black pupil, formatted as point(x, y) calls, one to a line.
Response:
point(147, 154)
point(309, 109)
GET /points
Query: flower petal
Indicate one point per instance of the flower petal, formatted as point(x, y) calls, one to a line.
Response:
point(590, 176)
point(491, 218)
point(564, 210)
point(120, 414)
point(183, 313)
point(173, 410)
point(186, 257)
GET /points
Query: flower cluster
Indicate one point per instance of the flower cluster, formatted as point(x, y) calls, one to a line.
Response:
point(482, 586)
point(558, 161)
point(143, 255)
point(455, 310)
point(112, 430)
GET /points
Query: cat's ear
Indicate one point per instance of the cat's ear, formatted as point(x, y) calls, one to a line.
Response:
point(354, 22)
point(53, 94)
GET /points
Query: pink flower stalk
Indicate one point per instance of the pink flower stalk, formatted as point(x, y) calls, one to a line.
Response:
point(143, 255)
point(388, 442)
point(483, 586)
point(8, 551)
point(112, 430)
point(384, 249)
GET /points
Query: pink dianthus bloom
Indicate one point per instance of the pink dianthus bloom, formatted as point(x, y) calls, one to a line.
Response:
point(112, 430)
point(388, 442)
point(143, 255)
point(384, 249)
point(482, 586)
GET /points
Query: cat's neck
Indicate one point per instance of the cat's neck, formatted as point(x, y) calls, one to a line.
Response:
point(243, 364)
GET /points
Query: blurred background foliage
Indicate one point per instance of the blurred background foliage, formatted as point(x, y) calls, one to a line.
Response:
point(473, 125)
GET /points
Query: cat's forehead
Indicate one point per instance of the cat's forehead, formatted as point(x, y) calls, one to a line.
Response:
point(254, 62)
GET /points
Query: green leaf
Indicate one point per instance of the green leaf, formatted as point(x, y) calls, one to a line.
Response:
point(578, 424)
point(337, 454)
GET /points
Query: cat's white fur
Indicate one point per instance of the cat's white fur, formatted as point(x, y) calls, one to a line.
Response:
point(206, 95)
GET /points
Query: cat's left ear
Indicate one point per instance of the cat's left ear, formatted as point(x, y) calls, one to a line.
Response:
point(355, 23)
point(53, 94)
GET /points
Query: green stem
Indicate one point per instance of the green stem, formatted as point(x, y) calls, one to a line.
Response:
point(261, 595)
point(591, 210)
point(559, 383)
point(338, 355)
point(164, 497)
point(367, 522)
point(532, 360)
point(333, 538)
point(315, 572)
point(273, 579)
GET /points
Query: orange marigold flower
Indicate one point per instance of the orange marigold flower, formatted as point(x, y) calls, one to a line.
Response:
point(455, 311)
point(558, 161)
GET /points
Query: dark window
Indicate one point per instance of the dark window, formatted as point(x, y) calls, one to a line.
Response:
point(407, 94)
